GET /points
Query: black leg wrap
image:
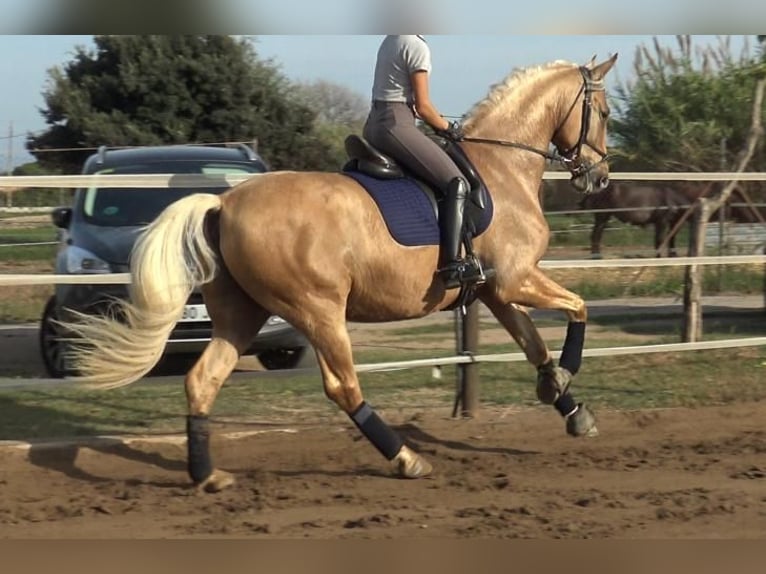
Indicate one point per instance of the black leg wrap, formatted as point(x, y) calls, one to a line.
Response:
point(377, 432)
point(198, 434)
point(565, 405)
point(571, 354)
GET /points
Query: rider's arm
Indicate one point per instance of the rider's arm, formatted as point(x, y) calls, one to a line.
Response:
point(423, 105)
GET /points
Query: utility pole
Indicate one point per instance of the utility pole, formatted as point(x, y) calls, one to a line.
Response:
point(9, 164)
point(9, 157)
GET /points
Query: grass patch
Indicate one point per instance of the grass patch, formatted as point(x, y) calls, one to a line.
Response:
point(575, 230)
point(159, 405)
point(716, 324)
point(24, 303)
point(644, 381)
point(442, 330)
point(27, 234)
point(658, 281)
point(13, 250)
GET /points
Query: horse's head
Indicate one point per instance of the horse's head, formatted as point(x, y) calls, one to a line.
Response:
point(581, 133)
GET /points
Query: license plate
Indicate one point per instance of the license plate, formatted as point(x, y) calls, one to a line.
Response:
point(194, 313)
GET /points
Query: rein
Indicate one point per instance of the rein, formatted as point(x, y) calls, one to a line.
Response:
point(551, 156)
point(571, 155)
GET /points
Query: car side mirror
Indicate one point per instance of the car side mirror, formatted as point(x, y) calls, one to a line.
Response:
point(62, 217)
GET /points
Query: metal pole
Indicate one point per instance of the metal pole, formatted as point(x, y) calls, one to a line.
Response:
point(471, 347)
point(467, 339)
point(459, 373)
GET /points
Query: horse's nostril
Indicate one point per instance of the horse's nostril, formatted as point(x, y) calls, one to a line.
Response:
point(603, 182)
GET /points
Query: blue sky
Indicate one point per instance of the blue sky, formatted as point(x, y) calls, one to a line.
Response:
point(465, 66)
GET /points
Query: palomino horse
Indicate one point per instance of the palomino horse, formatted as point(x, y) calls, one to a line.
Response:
point(314, 249)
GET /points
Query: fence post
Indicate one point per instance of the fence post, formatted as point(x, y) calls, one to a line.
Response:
point(467, 344)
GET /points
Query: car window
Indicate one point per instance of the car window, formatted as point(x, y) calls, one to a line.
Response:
point(139, 206)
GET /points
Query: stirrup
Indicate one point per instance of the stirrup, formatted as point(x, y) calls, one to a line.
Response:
point(463, 271)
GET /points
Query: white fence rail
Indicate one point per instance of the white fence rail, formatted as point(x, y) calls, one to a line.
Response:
point(7, 280)
point(201, 181)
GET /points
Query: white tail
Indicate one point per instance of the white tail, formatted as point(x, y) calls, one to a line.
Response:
point(170, 259)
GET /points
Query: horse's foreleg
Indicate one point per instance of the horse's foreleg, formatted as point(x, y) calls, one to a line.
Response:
point(341, 385)
point(599, 224)
point(236, 320)
point(553, 382)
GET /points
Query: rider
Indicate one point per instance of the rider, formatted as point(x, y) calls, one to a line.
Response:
point(399, 96)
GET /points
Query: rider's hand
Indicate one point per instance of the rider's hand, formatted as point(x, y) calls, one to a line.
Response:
point(453, 132)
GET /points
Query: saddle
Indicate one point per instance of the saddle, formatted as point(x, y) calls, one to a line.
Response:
point(366, 159)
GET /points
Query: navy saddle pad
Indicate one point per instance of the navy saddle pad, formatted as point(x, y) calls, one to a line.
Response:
point(407, 210)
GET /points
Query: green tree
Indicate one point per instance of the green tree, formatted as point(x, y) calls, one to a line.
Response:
point(339, 111)
point(687, 109)
point(151, 90)
point(333, 103)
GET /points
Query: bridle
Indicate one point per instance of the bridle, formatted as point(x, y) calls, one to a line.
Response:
point(571, 158)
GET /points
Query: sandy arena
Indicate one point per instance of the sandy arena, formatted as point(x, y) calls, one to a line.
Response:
point(697, 473)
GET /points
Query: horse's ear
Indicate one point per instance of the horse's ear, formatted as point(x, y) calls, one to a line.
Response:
point(603, 68)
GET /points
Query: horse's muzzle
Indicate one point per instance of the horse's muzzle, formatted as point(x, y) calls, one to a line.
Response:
point(587, 178)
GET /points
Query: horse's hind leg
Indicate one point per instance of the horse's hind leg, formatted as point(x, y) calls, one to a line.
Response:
point(329, 336)
point(236, 321)
point(553, 382)
point(672, 237)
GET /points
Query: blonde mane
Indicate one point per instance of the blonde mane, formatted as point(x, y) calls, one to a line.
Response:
point(499, 92)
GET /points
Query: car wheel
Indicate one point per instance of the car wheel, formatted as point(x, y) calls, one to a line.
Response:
point(52, 348)
point(275, 359)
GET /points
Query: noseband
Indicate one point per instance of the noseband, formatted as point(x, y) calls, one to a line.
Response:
point(570, 158)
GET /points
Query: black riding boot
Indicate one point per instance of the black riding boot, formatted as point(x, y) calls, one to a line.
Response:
point(457, 269)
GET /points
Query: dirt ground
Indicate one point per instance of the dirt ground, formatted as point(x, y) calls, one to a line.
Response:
point(509, 473)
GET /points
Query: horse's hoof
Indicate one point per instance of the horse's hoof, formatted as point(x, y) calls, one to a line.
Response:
point(552, 383)
point(219, 480)
point(582, 422)
point(411, 465)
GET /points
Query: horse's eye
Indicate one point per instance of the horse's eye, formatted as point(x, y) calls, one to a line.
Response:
point(604, 114)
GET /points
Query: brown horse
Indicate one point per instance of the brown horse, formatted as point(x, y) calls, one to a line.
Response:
point(665, 205)
point(640, 205)
point(314, 249)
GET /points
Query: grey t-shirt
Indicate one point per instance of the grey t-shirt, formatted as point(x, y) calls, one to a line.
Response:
point(398, 58)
